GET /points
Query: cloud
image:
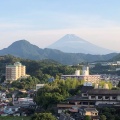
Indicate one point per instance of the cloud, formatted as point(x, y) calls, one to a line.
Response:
point(39, 20)
point(57, 20)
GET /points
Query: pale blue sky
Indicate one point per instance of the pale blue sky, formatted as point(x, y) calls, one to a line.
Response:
point(42, 22)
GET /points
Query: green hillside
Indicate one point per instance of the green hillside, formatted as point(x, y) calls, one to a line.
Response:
point(24, 49)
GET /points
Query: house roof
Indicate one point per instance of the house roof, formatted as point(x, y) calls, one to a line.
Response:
point(103, 92)
point(90, 110)
point(86, 88)
point(12, 107)
point(3, 104)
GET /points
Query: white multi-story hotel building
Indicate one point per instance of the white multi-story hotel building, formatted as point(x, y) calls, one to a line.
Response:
point(16, 71)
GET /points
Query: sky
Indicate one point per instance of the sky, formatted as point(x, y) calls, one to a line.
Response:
point(42, 22)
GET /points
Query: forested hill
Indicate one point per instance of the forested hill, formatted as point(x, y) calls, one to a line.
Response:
point(116, 58)
point(42, 69)
point(24, 49)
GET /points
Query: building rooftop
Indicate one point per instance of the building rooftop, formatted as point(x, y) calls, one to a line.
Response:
point(90, 110)
point(77, 97)
point(15, 64)
point(86, 88)
point(104, 92)
point(10, 65)
point(79, 75)
point(13, 107)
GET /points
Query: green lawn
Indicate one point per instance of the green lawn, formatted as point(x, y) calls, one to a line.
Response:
point(14, 118)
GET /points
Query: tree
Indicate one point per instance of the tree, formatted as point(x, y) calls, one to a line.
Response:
point(28, 83)
point(87, 117)
point(117, 117)
point(119, 84)
point(43, 116)
point(103, 117)
point(55, 92)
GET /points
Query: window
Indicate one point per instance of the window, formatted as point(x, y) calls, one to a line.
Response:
point(92, 97)
point(96, 114)
point(92, 103)
point(114, 98)
point(99, 97)
point(84, 94)
point(85, 103)
point(106, 97)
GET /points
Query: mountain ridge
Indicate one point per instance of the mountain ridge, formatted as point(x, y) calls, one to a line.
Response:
point(71, 43)
point(25, 49)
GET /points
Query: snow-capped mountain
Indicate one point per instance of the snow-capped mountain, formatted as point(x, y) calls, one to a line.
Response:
point(71, 43)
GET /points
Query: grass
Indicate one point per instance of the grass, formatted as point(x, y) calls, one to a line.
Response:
point(14, 118)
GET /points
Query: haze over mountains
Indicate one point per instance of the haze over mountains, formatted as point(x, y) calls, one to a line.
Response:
point(25, 49)
point(71, 43)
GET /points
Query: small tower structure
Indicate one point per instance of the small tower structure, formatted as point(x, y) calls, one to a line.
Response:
point(77, 72)
point(85, 70)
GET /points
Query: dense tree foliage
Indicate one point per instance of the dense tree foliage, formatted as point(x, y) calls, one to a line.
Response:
point(109, 69)
point(109, 113)
point(87, 117)
point(56, 92)
point(102, 83)
point(28, 83)
point(43, 116)
point(42, 69)
point(103, 117)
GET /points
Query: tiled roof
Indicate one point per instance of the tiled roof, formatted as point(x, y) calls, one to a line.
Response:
point(103, 92)
point(90, 110)
point(86, 88)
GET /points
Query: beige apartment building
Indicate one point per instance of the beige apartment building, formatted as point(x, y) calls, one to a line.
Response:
point(85, 76)
point(16, 71)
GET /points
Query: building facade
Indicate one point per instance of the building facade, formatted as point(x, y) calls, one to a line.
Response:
point(38, 86)
point(16, 71)
point(90, 97)
point(85, 76)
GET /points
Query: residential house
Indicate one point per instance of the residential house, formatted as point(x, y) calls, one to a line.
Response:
point(11, 109)
point(92, 112)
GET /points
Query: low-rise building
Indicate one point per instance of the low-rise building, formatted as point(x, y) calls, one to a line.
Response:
point(25, 100)
point(11, 109)
point(38, 86)
point(91, 97)
point(92, 112)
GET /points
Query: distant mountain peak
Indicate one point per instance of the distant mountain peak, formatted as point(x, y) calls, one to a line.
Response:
point(22, 41)
point(71, 37)
point(71, 43)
